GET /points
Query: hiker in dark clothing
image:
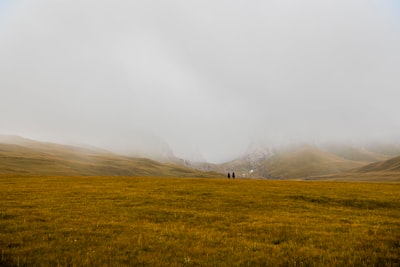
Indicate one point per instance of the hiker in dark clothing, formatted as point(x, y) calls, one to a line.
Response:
point(233, 175)
point(229, 175)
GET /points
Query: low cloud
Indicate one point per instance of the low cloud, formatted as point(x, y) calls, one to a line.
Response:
point(207, 77)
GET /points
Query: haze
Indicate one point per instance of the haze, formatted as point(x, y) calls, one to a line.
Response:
point(205, 77)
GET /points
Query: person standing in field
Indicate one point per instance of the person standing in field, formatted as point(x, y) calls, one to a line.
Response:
point(233, 175)
point(229, 175)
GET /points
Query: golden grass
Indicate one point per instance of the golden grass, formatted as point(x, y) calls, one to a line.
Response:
point(299, 162)
point(378, 177)
point(52, 159)
point(390, 165)
point(308, 161)
point(122, 221)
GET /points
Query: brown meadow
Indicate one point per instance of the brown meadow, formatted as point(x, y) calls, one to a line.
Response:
point(150, 221)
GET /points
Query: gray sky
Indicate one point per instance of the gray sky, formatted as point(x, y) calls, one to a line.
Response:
point(206, 77)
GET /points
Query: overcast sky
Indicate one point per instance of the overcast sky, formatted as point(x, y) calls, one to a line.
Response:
point(204, 77)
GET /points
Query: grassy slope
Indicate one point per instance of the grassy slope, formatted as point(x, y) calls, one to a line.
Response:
point(388, 170)
point(307, 161)
point(35, 158)
point(384, 171)
point(302, 162)
point(390, 165)
point(105, 221)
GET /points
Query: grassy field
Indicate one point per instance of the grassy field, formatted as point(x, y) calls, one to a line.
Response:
point(122, 221)
point(376, 177)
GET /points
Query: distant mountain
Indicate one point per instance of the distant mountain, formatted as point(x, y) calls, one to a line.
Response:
point(24, 156)
point(292, 162)
point(251, 164)
point(302, 161)
point(259, 152)
point(20, 156)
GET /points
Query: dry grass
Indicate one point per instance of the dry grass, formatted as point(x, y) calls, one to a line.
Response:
point(377, 177)
point(390, 165)
point(308, 161)
point(298, 162)
point(122, 221)
point(53, 159)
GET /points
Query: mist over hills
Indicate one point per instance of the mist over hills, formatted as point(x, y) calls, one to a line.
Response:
point(20, 156)
point(155, 76)
point(304, 161)
point(354, 153)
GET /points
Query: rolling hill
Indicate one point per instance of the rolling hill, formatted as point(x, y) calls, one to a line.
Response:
point(390, 165)
point(306, 161)
point(20, 156)
point(382, 171)
point(296, 162)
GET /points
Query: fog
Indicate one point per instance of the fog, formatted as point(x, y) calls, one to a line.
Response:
point(206, 78)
